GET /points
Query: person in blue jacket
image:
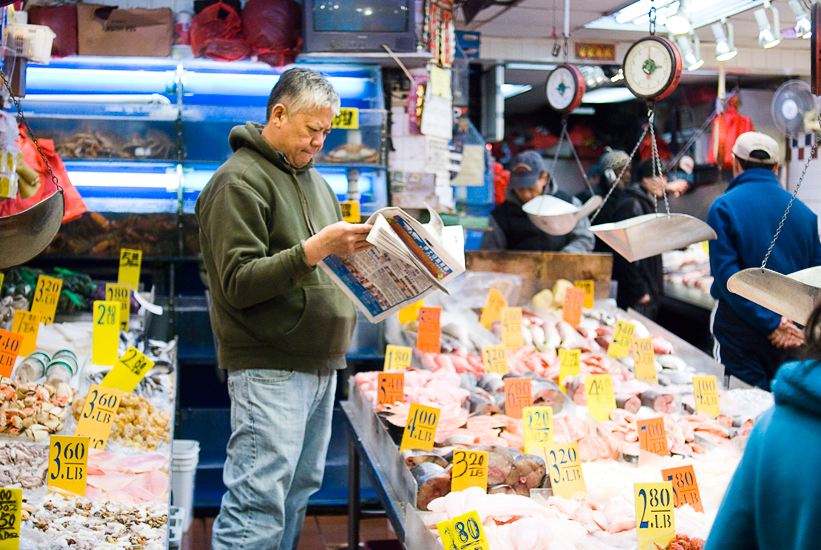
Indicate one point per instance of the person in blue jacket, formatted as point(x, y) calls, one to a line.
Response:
point(750, 340)
point(772, 501)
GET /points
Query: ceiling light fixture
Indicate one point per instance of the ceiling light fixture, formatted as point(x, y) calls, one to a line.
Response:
point(691, 56)
point(803, 27)
point(593, 76)
point(618, 76)
point(725, 45)
point(766, 37)
point(678, 17)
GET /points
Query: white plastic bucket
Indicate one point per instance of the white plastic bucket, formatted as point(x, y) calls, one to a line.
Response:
point(184, 460)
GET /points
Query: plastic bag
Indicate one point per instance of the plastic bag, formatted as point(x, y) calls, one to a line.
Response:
point(727, 126)
point(272, 29)
point(216, 32)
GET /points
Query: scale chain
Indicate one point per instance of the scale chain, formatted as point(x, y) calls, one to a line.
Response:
point(657, 169)
point(618, 179)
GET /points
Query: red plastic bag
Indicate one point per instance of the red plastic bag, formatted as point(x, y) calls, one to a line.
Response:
point(731, 125)
point(216, 32)
point(75, 207)
point(501, 178)
point(272, 29)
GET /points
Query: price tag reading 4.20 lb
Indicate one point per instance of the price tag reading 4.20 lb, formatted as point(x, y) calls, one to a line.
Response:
point(512, 328)
point(706, 391)
point(122, 295)
point(685, 488)
point(46, 295)
point(564, 469)
point(654, 514)
point(571, 364)
point(622, 336)
point(644, 359)
point(106, 333)
point(397, 357)
point(429, 337)
point(128, 371)
point(494, 359)
point(391, 389)
point(518, 395)
point(11, 505)
point(130, 263)
point(99, 409)
point(538, 424)
point(9, 348)
point(598, 389)
point(469, 470)
point(463, 532)
point(653, 436)
point(67, 463)
point(420, 428)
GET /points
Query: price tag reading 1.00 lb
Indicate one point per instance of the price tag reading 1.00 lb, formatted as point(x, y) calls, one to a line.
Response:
point(685, 488)
point(27, 325)
point(571, 365)
point(518, 395)
point(391, 389)
point(420, 428)
point(494, 359)
point(11, 505)
point(622, 336)
point(128, 371)
point(706, 393)
point(564, 469)
point(122, 295)
point(99, 409)
point(654, 514)
point(493, 308)
point(9, 348)
point(463, 532)
point(653, 436)
point(512, 328)
point(67, 463)
point(469, 470)
point(106, 333)
point(397, 357)
point(538, 425)
point(429, 337)
point(46, 295)
point(644, 359)
point(598, 389)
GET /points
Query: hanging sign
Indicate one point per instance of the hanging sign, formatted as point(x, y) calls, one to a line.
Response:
point(685, 488)
point(128, 371)
point(494, 359)
point(564, 469)
point(622, 336)
point(493, 307)
point(572, 306)
point(68, 463)
point(391, 389)
point(122, 294)
point(518, 395)
point(46, 295)
point(644, 359)
point(397, 357)
point(100, 408)
point(586, 51)
point(469, 470)
point(706, 392)
point(10, 344)
point(600, 398)
point(653, 436)
point(420, 428)
point(655, 520)
point(512, 327)
point(538, 425)
point(130, 264)
point(588, 287)
point(106, 333)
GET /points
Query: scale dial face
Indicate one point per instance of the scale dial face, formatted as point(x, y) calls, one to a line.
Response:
point(564, 88)
point(652, 68)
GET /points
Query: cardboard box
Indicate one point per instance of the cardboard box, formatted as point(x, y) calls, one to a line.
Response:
point(106, 30)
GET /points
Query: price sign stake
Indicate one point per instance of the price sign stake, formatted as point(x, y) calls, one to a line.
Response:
point(397, 357)
point(572, 306)
point(128, 371)
point(494, 359)
point(350, 211)
point(518, 395)
point(622, 336)
point(391, 389)
point(588, 287)
point(685, 487)
point(653, 436)
point(429, 337)
point(493, 308)
point(26, 324)
point(600, 398)
point(512, 328)
point(571, 364)
point(46, 295)
point(68, 463)
point(538, 424)
point(99, 409)
point(706, 392)
point(122, 294)
point(410, 313)
point(564, 469)
point(469, 470)
point(10, 344)
point(654, 514)
point(11, 506)
point(420, 428)
point(130, 264)
point(106, 333)
point(645, 359)
point(463, 532)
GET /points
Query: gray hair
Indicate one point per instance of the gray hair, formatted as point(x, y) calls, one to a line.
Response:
point(301, 90)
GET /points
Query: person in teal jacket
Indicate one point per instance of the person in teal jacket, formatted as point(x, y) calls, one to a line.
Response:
point(773, 499)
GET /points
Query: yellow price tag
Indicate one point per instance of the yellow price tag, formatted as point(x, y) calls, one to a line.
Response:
point(655, 520)
point(350, 211)
point(420, 428)
point(598, 389)
point(46, 295)
point(622, 336)
point(494, 359)
point(122, 294)
point(469, 470)
point(685, 488)
point(27, 325)
point(564, 469)
point(706, 391)
point(397, 357)
point(98, 413)
point(130, 264)
point(706, 246)
point(493, 307)
point(128, 371)
point(653, 436)
point(409, 313)
point(644, 359)
point(68, 463)
point(538, 424)
point(347, 119)
point(2, 277)
point(463, 532)
point(106, 333)
point(588, 287)
point(571, 364)
point(10, 343)
point(11, 506)
point(518, 395)
point(512, 328)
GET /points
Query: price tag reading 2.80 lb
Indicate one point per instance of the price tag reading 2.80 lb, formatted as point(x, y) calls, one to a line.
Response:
point(538, 424)
point(11, 505)
point(494, 359)
point(685, 488)
point(469, 470)
point(122, 294)
point(420, 428)
point(391, 389)
point(397, 357)
point(67, 463)
point(564, 469)
point(653, 436)
point(654, 514)
point(106, 333)
point(99, 409)
point(128, 371)
point(518, 395)
point(463, 532)
point(598, 389)
point(429, 337)
point(622, 336)
point(706, 391)
point(512, 328)
point(46, 295)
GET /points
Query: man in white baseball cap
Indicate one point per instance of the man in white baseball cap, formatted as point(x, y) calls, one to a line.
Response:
point(750, 340)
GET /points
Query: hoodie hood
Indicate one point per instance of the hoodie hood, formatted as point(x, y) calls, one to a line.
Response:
point(250, 136)
point(549, 189)
point(798, 384)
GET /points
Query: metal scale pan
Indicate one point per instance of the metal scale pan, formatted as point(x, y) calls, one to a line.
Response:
point(794, 296)
point(25, 234)
point(557, 217)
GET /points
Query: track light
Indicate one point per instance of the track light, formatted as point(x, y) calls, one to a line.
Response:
point(691, 56)
point(678, 17)
point(767, 38)
point(618, 76)
point(803, 27)
point(593, 76)
point(725, 47)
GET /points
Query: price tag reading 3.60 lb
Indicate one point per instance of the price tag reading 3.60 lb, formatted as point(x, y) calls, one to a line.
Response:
point(11, 505)
point(622, 336)
point(99, 409)
point(397, 357)
point(46, 295)
point(564, 469)
point(391, 389)
point(644, 359)
point(654, 514)
point(420, 428)
point(494, 359)
point(67, 463)
point(128, 371)
point(463, 532)
point(706, 393)
point(469, 470)
point(538, 425)
point(685, 488)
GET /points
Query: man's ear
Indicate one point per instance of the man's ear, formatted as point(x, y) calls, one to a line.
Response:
point(278, 114)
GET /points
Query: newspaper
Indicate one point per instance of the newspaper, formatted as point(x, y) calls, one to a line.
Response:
point(408, 261)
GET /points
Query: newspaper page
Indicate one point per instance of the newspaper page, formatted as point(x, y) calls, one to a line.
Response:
point(408, 261)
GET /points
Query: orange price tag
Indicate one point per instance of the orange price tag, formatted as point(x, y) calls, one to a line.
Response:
point(653, 436)
point(572, 306)
point(685, 487)
point(512, 328)
point(10, 344)
point(391, 389)
point(518, 395)
point(429, 337)
point(27, 324)
point(493, 308)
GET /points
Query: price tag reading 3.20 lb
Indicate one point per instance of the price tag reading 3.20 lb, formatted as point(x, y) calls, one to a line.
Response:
point(99, 409)
point(420, 428)
point(706, 393)
point(494, 359)
point(397, 357)
point(46, 295)
point(538, 425)
point(391, 389)
point(469, 470)
point(685, 488)
point(518, 395)
point(463, 532)
point(564, 469)
point(622, 336)
point(598, 389)
point(67, 463)
point(654, 514)
point(128, 371)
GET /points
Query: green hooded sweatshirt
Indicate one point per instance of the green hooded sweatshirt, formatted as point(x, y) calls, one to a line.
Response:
point(270, 309)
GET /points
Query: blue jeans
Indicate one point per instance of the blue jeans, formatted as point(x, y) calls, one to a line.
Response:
point(281, 426)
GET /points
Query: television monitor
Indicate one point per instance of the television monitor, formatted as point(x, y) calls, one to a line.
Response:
point(358, 25)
